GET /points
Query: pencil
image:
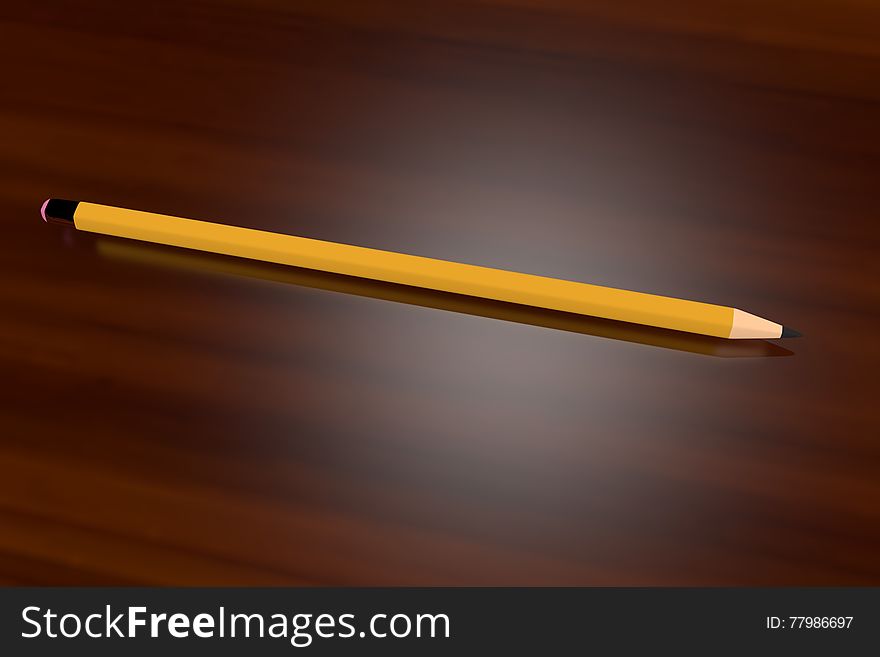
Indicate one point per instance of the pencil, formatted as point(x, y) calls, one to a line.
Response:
point(458, 278)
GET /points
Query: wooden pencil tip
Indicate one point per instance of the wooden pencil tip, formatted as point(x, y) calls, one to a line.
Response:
point(790, 333)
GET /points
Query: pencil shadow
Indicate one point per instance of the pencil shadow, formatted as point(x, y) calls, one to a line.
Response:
point(180, 259)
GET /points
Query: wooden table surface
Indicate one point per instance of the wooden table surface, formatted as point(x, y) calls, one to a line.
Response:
point(174, 418)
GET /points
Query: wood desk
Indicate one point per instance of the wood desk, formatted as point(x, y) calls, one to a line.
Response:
point(175, 418)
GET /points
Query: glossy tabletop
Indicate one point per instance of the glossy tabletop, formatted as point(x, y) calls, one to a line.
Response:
point(169, 417)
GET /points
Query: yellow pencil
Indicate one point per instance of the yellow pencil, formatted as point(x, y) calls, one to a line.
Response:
point(458, 278)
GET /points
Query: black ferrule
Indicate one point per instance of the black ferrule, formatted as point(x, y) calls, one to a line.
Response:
point(60, 210)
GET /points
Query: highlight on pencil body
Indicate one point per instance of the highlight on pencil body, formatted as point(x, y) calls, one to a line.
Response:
point(417, 271)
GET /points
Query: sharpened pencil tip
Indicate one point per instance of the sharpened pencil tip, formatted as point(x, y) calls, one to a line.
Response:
point(790, 333)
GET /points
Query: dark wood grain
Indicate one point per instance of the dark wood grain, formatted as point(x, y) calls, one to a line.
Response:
point(171, 418)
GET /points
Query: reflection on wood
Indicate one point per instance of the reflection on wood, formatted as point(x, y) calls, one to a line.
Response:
point(208, 262)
